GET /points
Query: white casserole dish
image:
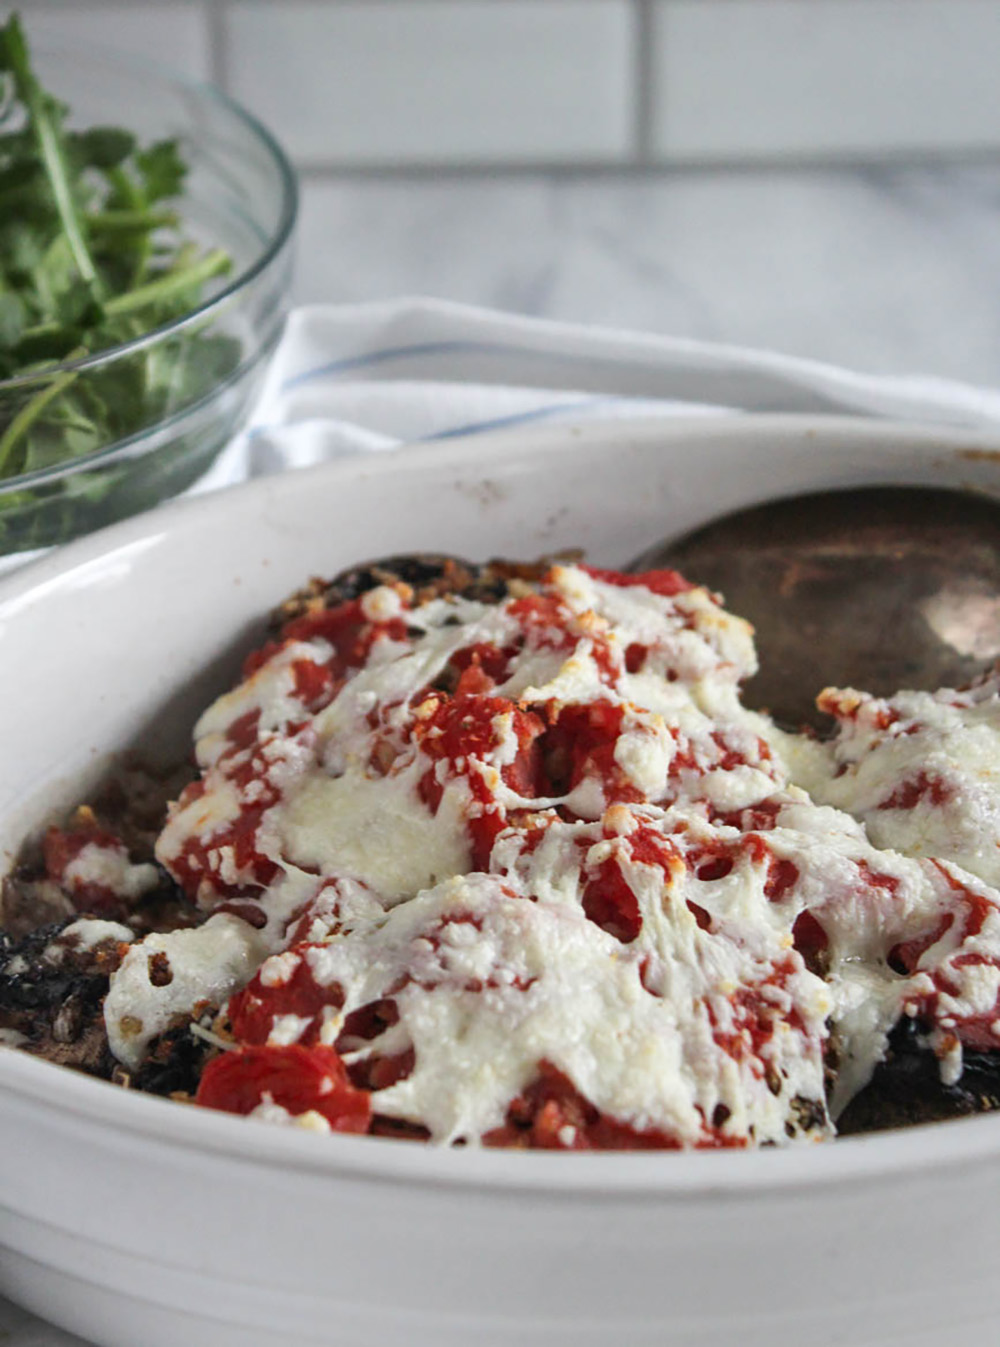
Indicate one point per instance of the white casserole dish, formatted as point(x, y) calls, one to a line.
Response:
point(135, 1221)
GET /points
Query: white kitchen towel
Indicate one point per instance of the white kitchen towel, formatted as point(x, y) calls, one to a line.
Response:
point(371, 377)
point(362, 378)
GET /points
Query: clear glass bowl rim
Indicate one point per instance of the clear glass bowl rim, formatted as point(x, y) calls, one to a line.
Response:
point(272, 248)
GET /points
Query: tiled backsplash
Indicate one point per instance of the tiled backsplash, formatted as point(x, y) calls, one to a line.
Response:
point(616, 83)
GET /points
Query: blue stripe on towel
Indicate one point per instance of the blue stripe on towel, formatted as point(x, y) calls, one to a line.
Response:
point(387, 354)
point(517, 418)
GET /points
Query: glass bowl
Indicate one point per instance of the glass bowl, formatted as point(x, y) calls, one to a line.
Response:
point(240, 195)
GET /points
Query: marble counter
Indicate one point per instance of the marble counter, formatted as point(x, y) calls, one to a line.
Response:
point(889, 270)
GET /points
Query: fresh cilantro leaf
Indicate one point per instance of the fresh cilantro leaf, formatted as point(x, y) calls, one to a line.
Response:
point(162, 170)
point(101, 147)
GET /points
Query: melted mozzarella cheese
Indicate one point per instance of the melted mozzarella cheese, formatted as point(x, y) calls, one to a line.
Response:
point(922, 770)
point(109, 868)
point(273, 1113)
point(85, 934)
point(377, 831)
point(640, 931)
point(203, 965)
point(495, 983)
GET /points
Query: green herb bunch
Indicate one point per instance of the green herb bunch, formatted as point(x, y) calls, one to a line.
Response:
point(92, 255)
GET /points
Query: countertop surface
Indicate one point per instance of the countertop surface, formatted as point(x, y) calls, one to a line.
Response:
point(891, 270)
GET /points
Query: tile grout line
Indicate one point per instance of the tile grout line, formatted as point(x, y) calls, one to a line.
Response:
point(27, 7)
point(643, 72)
point(218, 46)
point(316, 170)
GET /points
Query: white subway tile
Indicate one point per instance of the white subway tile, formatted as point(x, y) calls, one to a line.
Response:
point(174, 34)
point(395, 81)
point(744, 78)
